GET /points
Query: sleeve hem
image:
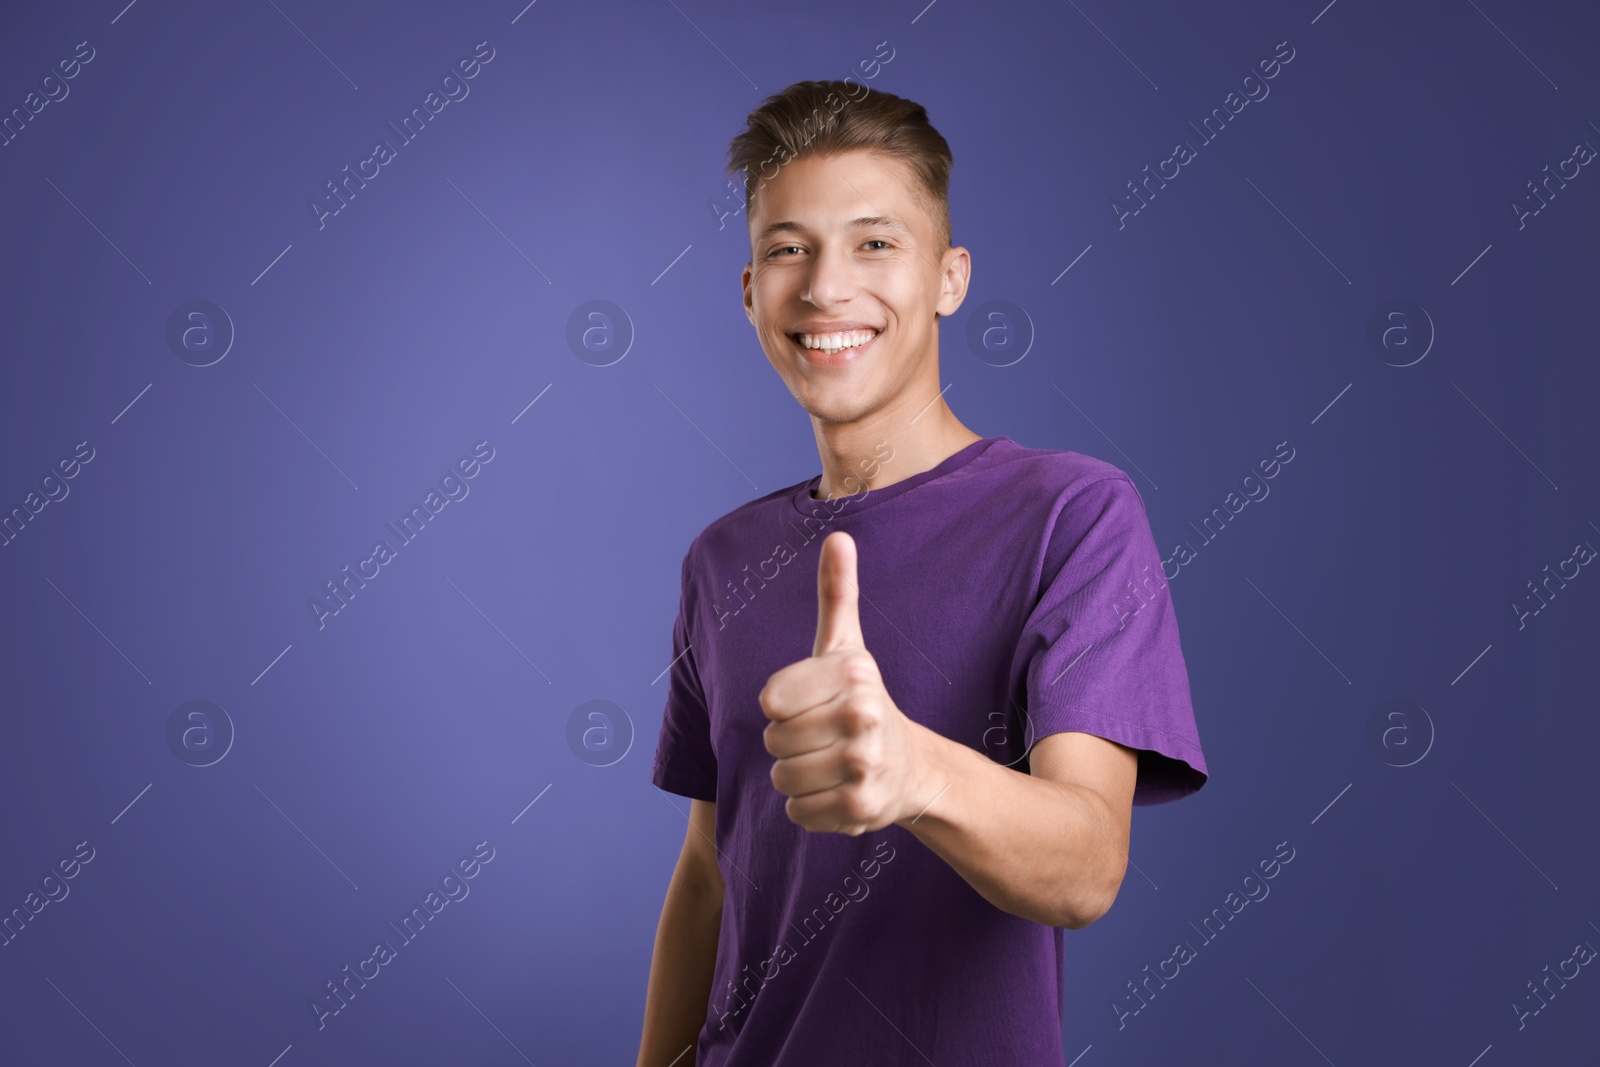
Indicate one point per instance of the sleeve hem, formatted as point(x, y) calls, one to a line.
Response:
point(1182, 776)
point(685, 785)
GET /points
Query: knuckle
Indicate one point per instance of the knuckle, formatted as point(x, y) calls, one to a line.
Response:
point(852, 718)
point(859, 669)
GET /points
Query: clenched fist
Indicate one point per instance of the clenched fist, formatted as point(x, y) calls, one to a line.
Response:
point(847, 757)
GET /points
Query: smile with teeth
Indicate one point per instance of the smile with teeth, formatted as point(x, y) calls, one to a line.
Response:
point(835, 342)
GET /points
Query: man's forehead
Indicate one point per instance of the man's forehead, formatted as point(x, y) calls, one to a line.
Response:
point(860, 222)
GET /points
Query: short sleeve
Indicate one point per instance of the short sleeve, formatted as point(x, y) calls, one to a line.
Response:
point(1099, 653)
point(685, 762)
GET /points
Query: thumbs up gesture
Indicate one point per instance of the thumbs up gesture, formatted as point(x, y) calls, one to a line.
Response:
point(847, 757)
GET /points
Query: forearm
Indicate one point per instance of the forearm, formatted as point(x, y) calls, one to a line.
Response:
point(679, 990)
point(1030, 846)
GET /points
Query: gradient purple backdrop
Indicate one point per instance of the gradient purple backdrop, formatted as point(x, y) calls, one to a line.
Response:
point(372, 349)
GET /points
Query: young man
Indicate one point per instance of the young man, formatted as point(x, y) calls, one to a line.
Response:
point(906, 785)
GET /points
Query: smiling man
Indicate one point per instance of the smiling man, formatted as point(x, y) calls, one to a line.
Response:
point(909, 778)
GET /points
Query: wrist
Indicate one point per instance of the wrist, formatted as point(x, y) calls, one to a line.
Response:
point(928, 777)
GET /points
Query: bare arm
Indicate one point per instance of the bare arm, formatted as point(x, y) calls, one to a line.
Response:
point(1051, 846)
point(686, 948)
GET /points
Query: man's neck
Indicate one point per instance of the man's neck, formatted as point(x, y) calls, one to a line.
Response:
point(887, 448)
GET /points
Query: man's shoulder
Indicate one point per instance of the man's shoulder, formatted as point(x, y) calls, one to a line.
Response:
point(734, 527)
point(1061, 473)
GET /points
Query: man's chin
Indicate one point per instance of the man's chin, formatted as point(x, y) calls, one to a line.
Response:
point(836, 412)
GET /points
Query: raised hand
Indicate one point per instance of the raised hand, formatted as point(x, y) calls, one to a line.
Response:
point(847, 757)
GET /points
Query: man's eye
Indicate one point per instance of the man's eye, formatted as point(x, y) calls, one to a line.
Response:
point(785, 248)
point(878, 241)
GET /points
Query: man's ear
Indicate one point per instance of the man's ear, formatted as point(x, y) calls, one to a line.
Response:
point(744, 286)
point(954, 279)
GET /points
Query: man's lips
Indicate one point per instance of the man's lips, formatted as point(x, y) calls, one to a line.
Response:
point(818, 357)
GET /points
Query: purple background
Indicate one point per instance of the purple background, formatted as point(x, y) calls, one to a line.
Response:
point(372, 353)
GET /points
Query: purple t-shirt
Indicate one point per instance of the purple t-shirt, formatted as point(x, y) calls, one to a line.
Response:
point(1006, 594)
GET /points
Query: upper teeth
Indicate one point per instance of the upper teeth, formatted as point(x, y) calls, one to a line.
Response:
point(833, 342)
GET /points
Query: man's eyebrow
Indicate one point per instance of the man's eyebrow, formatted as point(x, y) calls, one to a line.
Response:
point(864, 222)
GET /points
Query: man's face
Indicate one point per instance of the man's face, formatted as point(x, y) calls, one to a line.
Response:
point(856, 256)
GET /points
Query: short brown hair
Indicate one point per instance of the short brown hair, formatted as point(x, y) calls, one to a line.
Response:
point(826, 118)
